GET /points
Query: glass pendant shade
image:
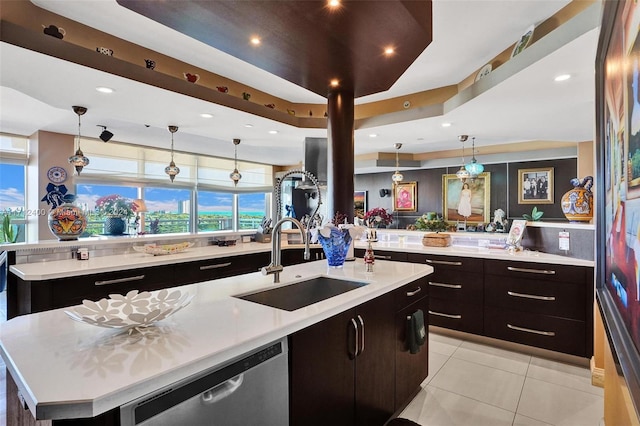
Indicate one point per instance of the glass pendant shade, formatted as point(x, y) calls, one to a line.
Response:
point(474, 167)
point(397, 176)
point(463, 173)
point(172, 170)
point(78, 160)
point(235, 175)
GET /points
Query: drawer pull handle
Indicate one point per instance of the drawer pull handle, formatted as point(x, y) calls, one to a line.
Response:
point(383, 257)
point(532, 271)
point(414, 292)
point(443, 262)
point(120, 280)
point(529, 330)
point(436, 284)
point(531, 296)
point(440, 314)
point(217, 265)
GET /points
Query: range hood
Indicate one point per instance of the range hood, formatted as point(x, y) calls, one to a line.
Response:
point(315, 162)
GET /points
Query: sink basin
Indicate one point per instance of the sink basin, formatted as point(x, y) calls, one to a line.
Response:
point(304, 293)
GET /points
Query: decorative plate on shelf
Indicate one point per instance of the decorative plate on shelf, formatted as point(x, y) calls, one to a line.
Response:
point(524, 41)
point(484, 71)
point(135, 310)
point(162, 249)
point(57, 174)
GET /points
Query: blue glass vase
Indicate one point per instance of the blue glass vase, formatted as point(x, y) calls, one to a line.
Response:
point(336, 246)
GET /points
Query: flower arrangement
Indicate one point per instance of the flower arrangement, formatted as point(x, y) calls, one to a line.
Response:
point(115, 205)
point(431, 222)
point(376, 217)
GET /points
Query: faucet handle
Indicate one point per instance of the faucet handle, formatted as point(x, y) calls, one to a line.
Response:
point(271, 269)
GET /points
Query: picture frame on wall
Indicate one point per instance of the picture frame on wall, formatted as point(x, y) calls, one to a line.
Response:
point(405, 197)
point(535, 186)
point(466, 201)
point(359, 203)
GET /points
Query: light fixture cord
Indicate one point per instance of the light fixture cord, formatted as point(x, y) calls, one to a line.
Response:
point(473, 150)
point(79, 124)
point(235, 155)
point(171, 146)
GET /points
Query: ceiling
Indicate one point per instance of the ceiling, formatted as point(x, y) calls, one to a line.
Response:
point(37, 91)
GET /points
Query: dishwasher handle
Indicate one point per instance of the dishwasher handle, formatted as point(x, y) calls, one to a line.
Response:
point(223, 390)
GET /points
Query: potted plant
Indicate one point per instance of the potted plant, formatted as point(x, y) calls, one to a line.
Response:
point(431, 222)
point(378, 218)
point(116, 210)
point(9, 233)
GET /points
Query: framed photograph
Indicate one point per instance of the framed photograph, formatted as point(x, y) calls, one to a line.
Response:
point(359, 203)
point(467, 200)
point(535, 186)
point(405, 197)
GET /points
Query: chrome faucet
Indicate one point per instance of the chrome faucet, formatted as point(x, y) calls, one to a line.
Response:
point(275, 267)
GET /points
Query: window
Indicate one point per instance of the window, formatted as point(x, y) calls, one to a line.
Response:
point(168, 210)
point(251, 209)
point(13, 160)
point(88, 194)
point(215, 211)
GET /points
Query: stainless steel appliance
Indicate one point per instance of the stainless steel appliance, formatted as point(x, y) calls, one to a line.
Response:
point(250, 390)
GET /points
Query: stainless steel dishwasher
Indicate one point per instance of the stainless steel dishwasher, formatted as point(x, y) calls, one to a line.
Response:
point(250, 390)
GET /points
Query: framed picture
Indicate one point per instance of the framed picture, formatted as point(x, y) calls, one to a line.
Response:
point(359, 203)
point(405, 197)
point(535, 186)
point(466, 201)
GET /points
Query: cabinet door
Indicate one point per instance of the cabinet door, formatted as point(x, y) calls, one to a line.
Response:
point(411, 369)
point(321, 373)
point(211, 269)
point(375, 363)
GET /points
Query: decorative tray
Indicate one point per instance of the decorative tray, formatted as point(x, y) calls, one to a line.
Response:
point(158, 250)
point(135, 310)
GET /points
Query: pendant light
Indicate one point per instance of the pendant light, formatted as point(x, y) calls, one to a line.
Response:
point(397, 176)
point(463, 174)
point(172, 170)
point(78, 160)
point(474, 167)
point(235, 174)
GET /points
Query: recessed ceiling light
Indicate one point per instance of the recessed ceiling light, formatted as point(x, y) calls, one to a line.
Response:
point(255, 40)
point(206, 115)
point(335, 82)
point(248, 125)
point(389, 50)
point(562, 77)
point(103, 89)
point(373, 135)
point(333, 3)
point(273, 132)
point(446, 124)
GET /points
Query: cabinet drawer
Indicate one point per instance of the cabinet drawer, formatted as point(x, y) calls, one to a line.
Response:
point(561, 299)
point(543, 331)
point(457, 316)
point(410, 293)
point(383, 255)
point(467, 264)
point(69, 292)
point(540, 271)
point(211, 269)
point(461, 287)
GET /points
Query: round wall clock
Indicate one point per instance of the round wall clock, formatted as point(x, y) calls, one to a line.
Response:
point(57, 174)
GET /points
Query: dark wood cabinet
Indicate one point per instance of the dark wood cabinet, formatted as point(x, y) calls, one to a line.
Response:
point(294, 256)
point(342, 370)
point(410, 369)
point(211, 269)
point(397, 256)
point(456, 290)
point(35, 296)
point(542, 305)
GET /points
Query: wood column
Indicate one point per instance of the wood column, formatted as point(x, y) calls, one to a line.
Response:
point(340, 130)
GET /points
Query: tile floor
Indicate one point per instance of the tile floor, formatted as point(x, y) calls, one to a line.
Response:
point(478, 384)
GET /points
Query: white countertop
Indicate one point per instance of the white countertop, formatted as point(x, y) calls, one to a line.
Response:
point(483, 253)
point(68, 369)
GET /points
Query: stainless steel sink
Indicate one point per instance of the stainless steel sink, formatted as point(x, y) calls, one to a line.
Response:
point(300, 294)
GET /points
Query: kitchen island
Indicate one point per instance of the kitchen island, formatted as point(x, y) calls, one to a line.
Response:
point(65, 369)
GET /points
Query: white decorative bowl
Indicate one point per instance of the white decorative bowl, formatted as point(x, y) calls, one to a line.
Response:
point(157, 250)
point(135, 310)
